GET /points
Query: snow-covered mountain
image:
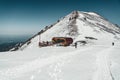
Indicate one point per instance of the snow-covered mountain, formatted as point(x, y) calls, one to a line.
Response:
point(97, 60)
point(79, 26)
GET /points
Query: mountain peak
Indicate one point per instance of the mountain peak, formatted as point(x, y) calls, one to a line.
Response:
point(79, 26)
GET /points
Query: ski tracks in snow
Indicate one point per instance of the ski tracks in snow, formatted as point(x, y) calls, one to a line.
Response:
point(103, 71)
point(57, 61)
point(18, 71)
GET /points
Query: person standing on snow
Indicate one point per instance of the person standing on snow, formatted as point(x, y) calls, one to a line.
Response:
point(112, 43)
point(75, 44)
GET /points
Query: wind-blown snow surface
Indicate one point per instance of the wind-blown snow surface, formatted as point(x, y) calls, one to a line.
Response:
point(97, 60)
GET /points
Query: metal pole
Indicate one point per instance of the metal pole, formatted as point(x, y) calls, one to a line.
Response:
point(39, 38)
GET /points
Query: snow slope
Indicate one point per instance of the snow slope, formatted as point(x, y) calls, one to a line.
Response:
point(78, 25)
point(61, 63)
point(97, 60)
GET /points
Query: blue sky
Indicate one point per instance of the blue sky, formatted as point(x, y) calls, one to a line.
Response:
point(26, 17)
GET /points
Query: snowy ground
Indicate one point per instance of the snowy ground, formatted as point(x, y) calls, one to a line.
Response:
point(95, 62)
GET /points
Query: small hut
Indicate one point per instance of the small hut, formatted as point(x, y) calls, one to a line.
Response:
point(63, 41)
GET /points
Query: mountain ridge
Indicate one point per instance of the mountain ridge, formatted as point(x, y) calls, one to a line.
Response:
point(77, 25)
